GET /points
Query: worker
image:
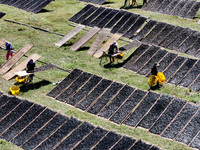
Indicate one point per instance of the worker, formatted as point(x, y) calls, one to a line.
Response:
point(112, 50)
point(154, 71)
point(30, 68)
point(9, 50)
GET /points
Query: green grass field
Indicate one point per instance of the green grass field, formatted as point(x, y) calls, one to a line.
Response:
point(55, 19)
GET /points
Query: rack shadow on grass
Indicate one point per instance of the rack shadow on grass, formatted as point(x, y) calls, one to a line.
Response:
point(106, 3)
point(67, 44)
point(84, 48)
point(110, 65)
point(32, 86)
point(44, 11)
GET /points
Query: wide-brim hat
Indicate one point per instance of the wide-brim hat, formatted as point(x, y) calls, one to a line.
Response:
point(157, 64)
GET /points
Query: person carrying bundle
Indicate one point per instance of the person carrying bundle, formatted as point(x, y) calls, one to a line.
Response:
point(156, 78)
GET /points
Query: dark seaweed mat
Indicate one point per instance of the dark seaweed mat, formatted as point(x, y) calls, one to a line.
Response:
point(74, 86)
point(33, 127)
point(12, 2)
point(38, 4)
point(14, 115)
point(135, 27)
point(171, 6)
point(121, 23)
point(101, 17)
point(197, 54)
point(93, 16)
point(163, 34)
point(64, 83)
point(3, 100)
point(116, 102)
point(186, 8)
point(156, 5)
point(175, 33)
point(27, 5)
point(54, 139)
point(129, 23)
point(164, 63)
point(144, 58)
point(191, 14)
point(22, 122)
point(128, 106)
point(116, 18)
point(156, 111)
point(140, 145)
point(182, 71)
point(20, 5)
point(175, 44)
point(154, 32)
point(188, 42)
point(180, 121)
point(193, 50)
point(38, 7)
point(108, 141)
point(124, 143)
point(174, 67)
point(108, 18)
point(105, 98)
point(76, 136)
point(136, 54)
point(195, 86)
point(163, 6)
point(1, 94)
point(167, 116)
point(178, 8)
point(101, 87)
point(57, 121)
point(84, 90)
point(10, 105)
point(196, 142)
point(133, 44)
point(156, 58)
point(84, 18)
point(148, 26)
point(142, 109)
point(148, 5)
point(191, 76)
point(91, 139)
point(190, 130)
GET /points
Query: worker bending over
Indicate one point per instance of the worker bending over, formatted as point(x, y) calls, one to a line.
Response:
point(113, 49)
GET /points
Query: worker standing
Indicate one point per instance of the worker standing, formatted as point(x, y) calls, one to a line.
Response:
point(30, 68)
point(9, 50)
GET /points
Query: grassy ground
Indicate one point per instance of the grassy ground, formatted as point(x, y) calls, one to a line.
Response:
point(55, 18)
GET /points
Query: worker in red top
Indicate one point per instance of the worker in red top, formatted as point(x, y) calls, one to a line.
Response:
point(9, 50)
